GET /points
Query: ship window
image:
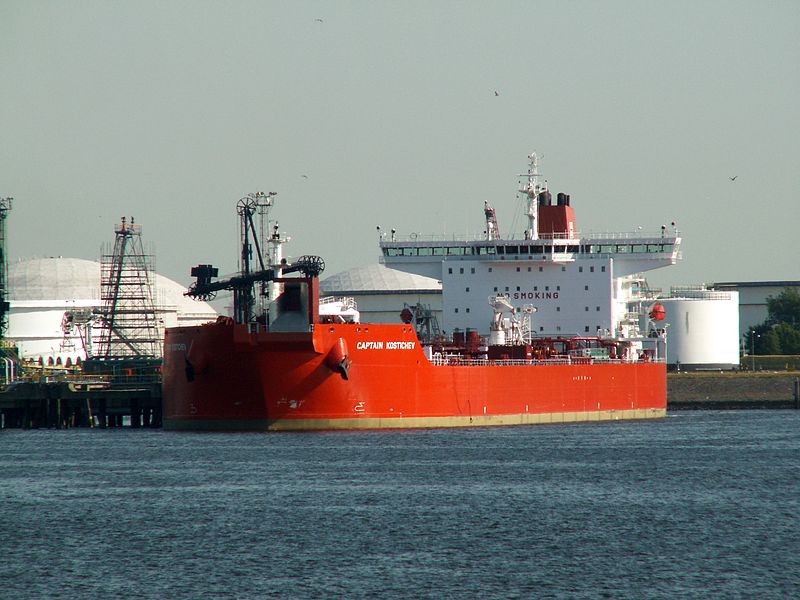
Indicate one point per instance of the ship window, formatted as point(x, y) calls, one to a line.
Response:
point(456, 310)
point(537, 249)
point(409, 251)
point(467, 289)
point(524, 249)
point(586, 288)
point(529, 269)
point(500, 250)
point(572, 248)
point(541, 328)
point(558, 288)
point(541, 269)
point(467, 309)
point(439, 251)
point(597, 308)
point(580, 269)
point(517, 288)
point(586, 329)
point(558, 309)
point(461, 270)
point(425, 251)
point(512, 250)
point(639, 248)
point(517, 269)
point(506, 288)
point(586, 309)
point(536, 288)
point(450, 270)
point(547, 288)
point(559, 249)
point(457, 251)
point(495, 289)
point(591, 269)
point(490, 269)
point(558, 327)
point(563, 269)
point(472, 270)
point(603, 269)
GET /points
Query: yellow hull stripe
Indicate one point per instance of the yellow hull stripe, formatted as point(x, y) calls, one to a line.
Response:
point(465, 421)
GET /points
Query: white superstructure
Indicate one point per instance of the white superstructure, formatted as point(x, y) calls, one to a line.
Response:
point(579, 284)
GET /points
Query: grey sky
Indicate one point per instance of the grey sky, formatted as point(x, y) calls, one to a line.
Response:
point(171, 111)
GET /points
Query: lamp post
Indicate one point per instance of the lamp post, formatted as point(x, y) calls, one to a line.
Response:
point(753, 337)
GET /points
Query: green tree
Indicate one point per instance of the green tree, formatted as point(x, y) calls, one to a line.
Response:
point(768, 343)
point(788, 338)
point(785, 308)
point(780, 333)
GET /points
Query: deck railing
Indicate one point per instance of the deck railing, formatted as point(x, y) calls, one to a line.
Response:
point(457, 361)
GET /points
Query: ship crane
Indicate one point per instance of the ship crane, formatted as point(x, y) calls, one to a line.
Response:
point(267, 267)
point(205, 289)
point(492, 228)
point(509, 329)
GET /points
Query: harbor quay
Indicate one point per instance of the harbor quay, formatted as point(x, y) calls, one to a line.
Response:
point(733, 390)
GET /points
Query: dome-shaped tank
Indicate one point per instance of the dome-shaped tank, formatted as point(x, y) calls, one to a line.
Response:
point(42, 290)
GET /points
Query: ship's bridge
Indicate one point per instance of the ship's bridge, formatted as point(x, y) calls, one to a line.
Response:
point(555, 248)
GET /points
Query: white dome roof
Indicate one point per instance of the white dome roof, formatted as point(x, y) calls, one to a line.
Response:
point(79, 279)
point(377, 278)
point(53, 279)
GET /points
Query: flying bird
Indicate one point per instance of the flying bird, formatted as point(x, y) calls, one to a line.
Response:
point(733, 178)
point(319, 20)
point(305, 176)
point(496, 93)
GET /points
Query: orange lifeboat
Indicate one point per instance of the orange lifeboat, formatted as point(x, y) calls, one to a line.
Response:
point(657, 312)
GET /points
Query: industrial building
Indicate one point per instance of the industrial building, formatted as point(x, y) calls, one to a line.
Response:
point(753, 297)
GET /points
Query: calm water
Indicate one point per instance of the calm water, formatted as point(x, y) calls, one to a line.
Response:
point(702, 504)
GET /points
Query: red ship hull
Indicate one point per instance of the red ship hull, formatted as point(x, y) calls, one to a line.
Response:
point(220, 376)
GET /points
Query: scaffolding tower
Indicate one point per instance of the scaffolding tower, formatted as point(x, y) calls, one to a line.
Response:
point(5, 207)
point(130, 327)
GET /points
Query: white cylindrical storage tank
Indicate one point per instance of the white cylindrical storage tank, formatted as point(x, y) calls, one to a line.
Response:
point(702, 329)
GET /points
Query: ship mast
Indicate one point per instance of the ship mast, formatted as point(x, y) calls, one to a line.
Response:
point(244, 300)
point(532, 189)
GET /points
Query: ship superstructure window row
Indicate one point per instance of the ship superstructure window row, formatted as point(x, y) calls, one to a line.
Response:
point(528, 252)
point(580, 269)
